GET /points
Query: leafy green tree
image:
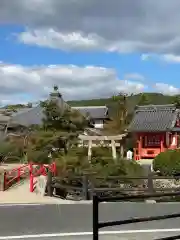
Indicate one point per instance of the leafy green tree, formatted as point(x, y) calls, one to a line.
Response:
point(60, 129)
point(62, 119)
point(176, 101)
point(120, 114)
point(144, 100)
point(9, 152)
point(41, 156)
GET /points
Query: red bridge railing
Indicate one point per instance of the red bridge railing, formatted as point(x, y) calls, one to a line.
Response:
point(39, 170)
point(15, 175)
point(31, 171)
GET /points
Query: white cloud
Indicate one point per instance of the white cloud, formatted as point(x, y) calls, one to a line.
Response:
point(20, 83)
point(145, 57)
point(134, 76)
point(23, 84)
point(53, 39)
point(128, 86)
point(170, 58)
point(166, 89)
point(124, 26)
point(89, 25)
point(72, 41)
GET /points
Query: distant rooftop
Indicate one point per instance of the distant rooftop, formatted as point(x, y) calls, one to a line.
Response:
point(95, 112)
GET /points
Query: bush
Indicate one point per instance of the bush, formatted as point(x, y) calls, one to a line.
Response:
point(103, 166)
point(38, 156)
point(121, 168)
point(168, 163)
point(9, 152)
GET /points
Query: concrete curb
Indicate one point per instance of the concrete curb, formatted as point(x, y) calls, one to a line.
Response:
point(66, 202)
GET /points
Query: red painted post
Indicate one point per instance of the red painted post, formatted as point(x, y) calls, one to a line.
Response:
point(30, 169)
point(4, 182)
point(19, 174)
point(54, 168)
point(43, 170)
point(31, 181)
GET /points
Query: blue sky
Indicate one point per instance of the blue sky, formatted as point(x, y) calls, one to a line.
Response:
point(85, 59)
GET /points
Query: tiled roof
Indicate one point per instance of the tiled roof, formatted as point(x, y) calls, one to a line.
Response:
point(31, 116)
point(34, 115)
point(154, 118)
point(95, 112)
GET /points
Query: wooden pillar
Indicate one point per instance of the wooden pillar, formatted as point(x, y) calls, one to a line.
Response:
point(176, 139)
point(89, 150)
point(139, 145)
point(121, 149)
point(167, 137)
point(113, 145)
point(49, 184)
point(162, 143)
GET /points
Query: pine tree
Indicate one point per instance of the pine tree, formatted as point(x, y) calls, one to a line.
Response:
point(60, 129)
point(144, 100)
point(118, 122)
point(176, 101)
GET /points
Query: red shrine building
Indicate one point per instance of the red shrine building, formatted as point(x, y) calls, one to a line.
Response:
point(155, 129)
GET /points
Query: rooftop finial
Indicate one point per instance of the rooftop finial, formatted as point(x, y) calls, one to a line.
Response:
point(55, 93)
point(55, 88)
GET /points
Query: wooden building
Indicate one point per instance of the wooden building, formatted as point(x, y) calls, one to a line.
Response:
point(155, 128)
point(97, 115)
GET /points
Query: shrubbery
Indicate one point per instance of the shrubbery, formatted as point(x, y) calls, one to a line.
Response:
point(9, 152)
point(40, 157)
point(102, 164)
point(168, 163)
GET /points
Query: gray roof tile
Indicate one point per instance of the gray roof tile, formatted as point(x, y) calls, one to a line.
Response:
point(154, 118)
point(99, 112)
point(34, 115)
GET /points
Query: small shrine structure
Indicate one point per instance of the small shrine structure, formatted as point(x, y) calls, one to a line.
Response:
point(155, 128)
point(103, 141)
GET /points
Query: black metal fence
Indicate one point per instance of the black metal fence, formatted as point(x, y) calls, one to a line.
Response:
point(148, 191)
point(97, 200)
point(84, 187)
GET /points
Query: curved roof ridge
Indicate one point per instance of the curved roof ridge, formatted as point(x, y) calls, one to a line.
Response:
point(154, 107)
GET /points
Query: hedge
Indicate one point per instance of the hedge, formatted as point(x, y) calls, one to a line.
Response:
point(168, 163)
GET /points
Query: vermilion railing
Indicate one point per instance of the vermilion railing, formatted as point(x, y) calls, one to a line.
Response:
point(31, 170)
point(39, 170)
point(15, 175)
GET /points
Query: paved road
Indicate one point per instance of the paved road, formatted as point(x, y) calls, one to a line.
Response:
point(58, 220)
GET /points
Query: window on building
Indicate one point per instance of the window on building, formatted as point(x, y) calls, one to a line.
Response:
point(152, 141)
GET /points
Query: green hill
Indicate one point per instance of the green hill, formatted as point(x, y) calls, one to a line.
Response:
point(153, 98)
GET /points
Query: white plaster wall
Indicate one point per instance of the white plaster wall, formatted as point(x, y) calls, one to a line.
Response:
point(98, 124)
